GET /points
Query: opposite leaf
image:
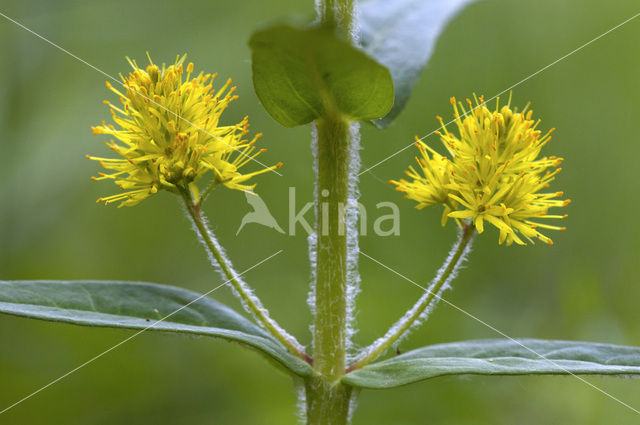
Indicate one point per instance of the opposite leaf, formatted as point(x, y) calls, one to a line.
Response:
point(302, 74)
point(137, 305)
point(499, 357)
point(401, 35)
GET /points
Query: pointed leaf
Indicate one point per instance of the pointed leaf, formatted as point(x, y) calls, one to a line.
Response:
point(401, 35)
point(302, 74)
point(138, 305)
point(499, 357)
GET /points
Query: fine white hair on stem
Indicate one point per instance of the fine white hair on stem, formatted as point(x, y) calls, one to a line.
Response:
point(355, 24)
point(312, 240)
point(238, 286)
point(351, 225)
point(339, 13)
point(353, 403)
point(301, 400)
point(432, 295)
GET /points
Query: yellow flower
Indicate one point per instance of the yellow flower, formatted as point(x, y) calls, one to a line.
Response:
point(429, 187)
point(169, 134)
point(494, 174)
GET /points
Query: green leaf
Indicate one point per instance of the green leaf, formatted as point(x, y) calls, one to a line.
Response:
point(401, 35)
point(138, 305)
point(302, 74)
point(499, 357)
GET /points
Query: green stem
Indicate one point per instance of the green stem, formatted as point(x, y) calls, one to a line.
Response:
point(330, 326)
point(327, 404)
point(446, 273)
point(206, 192)
point(327, 399)
point(245, 293)
point(338, 14)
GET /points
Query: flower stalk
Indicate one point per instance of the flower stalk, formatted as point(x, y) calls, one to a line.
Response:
point(248, 298)
point(412, 317)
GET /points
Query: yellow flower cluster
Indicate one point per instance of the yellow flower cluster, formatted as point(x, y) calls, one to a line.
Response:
point(494, 173)
point(169, 134)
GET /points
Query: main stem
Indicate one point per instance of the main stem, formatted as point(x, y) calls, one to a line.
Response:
point(328, 401)
point(330, 327)
point(337, 14)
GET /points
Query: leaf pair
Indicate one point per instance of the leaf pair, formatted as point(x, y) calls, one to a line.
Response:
point(152, 307)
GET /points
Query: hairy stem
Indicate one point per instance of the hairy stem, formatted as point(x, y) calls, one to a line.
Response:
point(330, 325)
point(424, 304)
point(327, 404)
point(337, 14)
point(251, 302)
point(328, 401)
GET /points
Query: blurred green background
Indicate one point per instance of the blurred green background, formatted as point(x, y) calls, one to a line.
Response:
point(584, 287)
